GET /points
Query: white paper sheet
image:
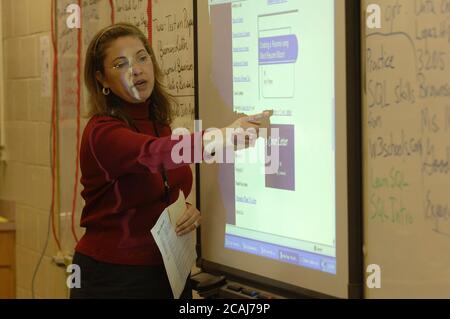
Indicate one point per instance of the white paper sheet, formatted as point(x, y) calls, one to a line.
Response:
point(178, 252)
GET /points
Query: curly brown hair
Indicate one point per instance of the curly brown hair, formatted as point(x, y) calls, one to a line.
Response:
point(99, 104)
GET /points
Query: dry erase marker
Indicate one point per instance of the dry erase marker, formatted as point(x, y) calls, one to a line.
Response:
point(260, 116)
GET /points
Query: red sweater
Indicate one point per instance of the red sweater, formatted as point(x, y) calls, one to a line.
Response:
point(123, 186)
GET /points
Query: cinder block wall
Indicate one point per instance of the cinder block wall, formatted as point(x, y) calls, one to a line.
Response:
point(26, 178)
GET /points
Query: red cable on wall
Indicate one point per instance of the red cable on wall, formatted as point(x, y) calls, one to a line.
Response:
point(54, 84)
point(150, 21)
point(78, 118)
point(113, 17)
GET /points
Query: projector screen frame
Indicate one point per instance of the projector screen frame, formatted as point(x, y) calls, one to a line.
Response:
point(354, 173)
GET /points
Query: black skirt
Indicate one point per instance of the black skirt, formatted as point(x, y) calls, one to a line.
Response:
point(101, 280)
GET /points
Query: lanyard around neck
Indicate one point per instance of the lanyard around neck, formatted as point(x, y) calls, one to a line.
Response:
point(163, 170)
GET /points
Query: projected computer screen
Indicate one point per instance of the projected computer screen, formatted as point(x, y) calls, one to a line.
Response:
point(278, 214)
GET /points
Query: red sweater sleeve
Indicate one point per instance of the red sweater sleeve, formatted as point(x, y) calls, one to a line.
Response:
point(120, 150)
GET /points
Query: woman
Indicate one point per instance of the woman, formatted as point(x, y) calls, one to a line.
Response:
point(127, 173)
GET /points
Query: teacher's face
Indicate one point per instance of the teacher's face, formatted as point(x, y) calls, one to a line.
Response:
point(128, 70)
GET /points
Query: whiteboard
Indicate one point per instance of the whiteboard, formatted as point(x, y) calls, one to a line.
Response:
point(406, 131)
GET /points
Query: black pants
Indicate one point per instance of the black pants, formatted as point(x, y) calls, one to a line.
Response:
point(109, 281)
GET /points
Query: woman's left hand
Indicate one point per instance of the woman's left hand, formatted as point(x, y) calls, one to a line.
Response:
point(189, 221)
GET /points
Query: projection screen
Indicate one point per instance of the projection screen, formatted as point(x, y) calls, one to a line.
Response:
point(287, 228)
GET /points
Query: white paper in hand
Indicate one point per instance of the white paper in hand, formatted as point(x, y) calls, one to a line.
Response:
point(177, 209)
point(178, 252)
